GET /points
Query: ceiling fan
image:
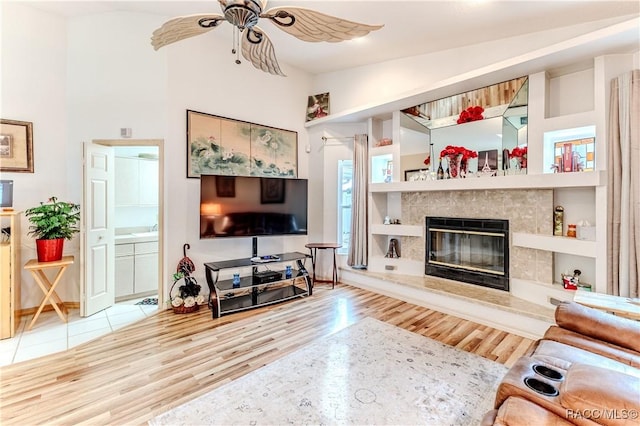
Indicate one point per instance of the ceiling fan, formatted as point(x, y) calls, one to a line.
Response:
point(305, 24)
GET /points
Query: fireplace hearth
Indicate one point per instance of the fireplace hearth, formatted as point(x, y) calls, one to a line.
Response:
point(475, 251)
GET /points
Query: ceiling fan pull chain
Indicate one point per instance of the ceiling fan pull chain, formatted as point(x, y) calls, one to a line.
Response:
point(236, 42)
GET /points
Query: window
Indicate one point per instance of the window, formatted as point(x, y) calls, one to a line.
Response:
point(345, 182)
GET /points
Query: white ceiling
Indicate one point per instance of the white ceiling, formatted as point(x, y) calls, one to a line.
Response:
point(410, 27)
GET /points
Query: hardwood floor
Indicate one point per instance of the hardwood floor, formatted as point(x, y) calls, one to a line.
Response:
point(145, 369)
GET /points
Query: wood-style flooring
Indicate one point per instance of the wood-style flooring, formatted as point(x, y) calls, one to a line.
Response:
point(147, 368)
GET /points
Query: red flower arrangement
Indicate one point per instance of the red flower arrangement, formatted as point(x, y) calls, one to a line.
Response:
point(458, 156)
point(427, 161)
point(472, 113)
point(521, 155)
point(451, 150)
point(518, 152)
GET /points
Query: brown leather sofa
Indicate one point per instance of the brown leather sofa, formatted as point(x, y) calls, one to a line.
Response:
point(584, 371)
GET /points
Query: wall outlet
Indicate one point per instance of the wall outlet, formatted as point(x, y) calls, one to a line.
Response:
point(389, 267)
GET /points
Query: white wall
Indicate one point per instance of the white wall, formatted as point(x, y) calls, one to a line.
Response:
point(212, 83)
point(34, 89)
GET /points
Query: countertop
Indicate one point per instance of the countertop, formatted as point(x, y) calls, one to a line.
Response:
point(136, 237)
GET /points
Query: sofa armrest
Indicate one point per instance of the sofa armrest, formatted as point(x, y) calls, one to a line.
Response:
point(608, 397)
point(599, 325)
point(606, 349)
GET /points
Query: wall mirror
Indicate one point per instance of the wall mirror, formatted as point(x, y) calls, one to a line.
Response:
point(503, 127)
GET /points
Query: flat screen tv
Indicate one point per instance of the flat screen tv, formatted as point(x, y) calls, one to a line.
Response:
point(245, 206)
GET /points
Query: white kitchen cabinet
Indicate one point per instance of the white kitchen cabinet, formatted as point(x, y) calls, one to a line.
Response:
point(148, 182)
point(126, 181)
point(124, 271)
point(136, 181)
point(146, 267)
point(136, 268)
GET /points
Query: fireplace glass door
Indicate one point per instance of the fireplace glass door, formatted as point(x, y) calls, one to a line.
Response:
point(475, 251)
point(470, 250)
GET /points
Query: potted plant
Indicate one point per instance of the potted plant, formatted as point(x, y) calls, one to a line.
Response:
point(51, 223)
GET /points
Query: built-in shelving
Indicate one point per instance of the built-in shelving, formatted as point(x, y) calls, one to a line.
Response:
point(555, 244)
point(399, 230)
point(539, 293)
point(396, 265)
point(540, 181)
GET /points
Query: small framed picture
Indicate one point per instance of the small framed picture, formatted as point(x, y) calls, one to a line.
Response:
point(271, 191)
point(318, 106)
point(414, 174)
point(490, 158)
point(16, 146)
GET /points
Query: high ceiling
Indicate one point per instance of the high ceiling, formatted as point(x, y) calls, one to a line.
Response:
point(410, 27)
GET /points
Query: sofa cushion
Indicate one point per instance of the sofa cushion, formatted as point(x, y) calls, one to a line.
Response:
point(549, 348)
point(599, 325)
point(605, 396)
point(571, 338)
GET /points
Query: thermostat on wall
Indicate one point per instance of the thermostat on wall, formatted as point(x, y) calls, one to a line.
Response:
point(125, 132)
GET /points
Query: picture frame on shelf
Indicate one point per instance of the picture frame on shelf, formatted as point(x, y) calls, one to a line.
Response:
point(491, 158)
point(16, 146)
point(576, 155)
point(414, 174)
point(224, 146)
point(317, 106)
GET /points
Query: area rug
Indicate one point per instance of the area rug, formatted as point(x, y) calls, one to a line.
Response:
point(148, 301)
point(369, 373)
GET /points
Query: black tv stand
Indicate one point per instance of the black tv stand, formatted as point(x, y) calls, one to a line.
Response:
point(254, 289)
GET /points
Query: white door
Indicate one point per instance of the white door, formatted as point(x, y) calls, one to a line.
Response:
point(97, 290)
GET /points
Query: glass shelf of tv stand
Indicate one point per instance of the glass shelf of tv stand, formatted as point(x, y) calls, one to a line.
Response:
point(250, 293)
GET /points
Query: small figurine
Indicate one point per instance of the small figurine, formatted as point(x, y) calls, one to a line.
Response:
point(394, 249)
point(571, 282)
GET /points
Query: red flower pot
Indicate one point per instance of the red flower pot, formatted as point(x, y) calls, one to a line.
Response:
point(49, 250)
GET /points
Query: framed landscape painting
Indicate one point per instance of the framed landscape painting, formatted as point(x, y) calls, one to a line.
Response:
point(223, 146)
point(16, 146)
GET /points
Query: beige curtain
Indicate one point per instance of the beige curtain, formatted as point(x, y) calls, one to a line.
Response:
point(357, 257)
point(623, 195)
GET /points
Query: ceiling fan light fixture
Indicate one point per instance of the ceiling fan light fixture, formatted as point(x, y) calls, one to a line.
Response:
point(304, 24)
point(241, 13)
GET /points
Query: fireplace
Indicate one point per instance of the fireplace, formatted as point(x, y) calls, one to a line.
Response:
point(475, 251)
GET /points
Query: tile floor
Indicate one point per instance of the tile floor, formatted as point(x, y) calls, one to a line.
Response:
point(49, 334)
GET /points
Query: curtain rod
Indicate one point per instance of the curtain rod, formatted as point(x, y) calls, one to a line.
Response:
point(325, 139)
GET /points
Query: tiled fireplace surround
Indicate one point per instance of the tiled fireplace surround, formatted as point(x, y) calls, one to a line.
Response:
point(529, 211)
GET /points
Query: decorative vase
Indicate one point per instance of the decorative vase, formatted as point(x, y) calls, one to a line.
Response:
point(454, 165)
point(49, 250)
point(521, 165)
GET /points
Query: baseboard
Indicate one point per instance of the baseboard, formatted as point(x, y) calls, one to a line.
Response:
point(522, 325)
point(47, 308)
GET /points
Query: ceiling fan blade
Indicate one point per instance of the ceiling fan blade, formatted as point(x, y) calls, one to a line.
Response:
point(257, 49)
point(182, 27)
point(309, 25)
